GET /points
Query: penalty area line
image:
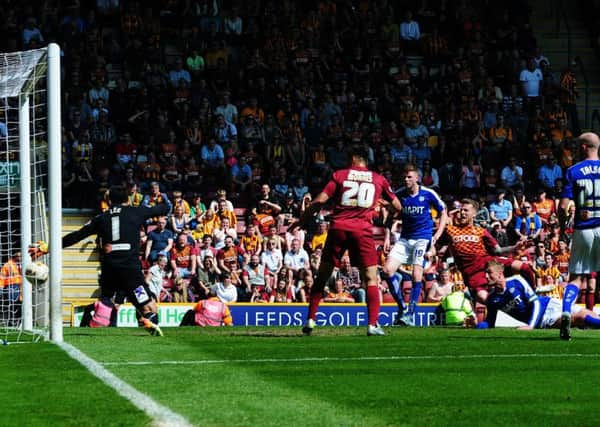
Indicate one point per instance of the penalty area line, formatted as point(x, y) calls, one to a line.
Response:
point(351, 359)
point(161, 415)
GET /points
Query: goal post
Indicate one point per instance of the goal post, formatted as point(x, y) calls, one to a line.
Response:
point(55, 192)
point(30, 192)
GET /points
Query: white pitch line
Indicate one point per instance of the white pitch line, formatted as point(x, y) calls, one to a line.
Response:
point(363, 358)
point(161, 415)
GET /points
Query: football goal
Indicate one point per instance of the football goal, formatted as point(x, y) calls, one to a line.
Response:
point(30, 193)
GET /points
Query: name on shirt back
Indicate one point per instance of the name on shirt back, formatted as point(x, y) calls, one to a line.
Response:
point(363, 176)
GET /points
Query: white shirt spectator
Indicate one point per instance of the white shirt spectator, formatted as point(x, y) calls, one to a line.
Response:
point(226, 294)
point(271, 259)
point(155, 278)
point(531, 81)
point(296, 260)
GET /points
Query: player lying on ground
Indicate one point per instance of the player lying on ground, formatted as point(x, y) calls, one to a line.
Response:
point(515, 297)
point(121, 270)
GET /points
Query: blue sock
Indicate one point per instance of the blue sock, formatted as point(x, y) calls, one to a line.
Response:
point(415, 293)
point(592, 321)
point(569, 297)
point(395, 286)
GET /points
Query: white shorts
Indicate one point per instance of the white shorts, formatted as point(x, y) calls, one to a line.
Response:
point(554, 311)
point(410, 252)
point(585, 251)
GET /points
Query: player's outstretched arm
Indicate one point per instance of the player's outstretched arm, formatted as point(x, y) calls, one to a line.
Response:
point(314, 207)
point(75, 236)
point(503, 250)
point(160, 209)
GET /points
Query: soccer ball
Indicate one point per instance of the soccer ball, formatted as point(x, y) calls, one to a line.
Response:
point(36, 272)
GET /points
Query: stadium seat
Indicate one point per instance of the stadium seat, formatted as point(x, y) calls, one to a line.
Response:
point(240, 213)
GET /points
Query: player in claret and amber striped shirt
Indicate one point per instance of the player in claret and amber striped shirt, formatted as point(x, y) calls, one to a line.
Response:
point(472, 246)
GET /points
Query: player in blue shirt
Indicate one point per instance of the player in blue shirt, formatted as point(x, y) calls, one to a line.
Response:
point(515, 297)
point(416, 237)
point(582, 186)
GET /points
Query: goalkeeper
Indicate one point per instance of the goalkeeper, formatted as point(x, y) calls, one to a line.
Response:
point(457, 308)
point(119, 232)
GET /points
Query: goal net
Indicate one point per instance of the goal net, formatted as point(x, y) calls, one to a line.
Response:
point(29, 147)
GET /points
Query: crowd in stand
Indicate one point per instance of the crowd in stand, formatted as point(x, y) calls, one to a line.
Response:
point(259, 100)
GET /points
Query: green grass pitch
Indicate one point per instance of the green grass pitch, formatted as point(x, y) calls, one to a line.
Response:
point(337, 377)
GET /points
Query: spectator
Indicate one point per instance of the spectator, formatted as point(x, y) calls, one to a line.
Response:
point(221, 196)
point(339, 293)
point(160, 241)
point(273, 234)
point(568, 97)
point(213, 158)
point(208, 274)
point(254, 277)
point(178, 73)
point(178, 221)
point(470, 179)
point(221, 231)
point(225, 290)
point(548, 173)
point(227, 110)
point(156, 276)
point(290, 210)
point(32, 36)
point(400, 153)
point(528, 225)
point(296, 257)
point(205, 248)
point(230, 257)
point(241, 175)
point(409, 29)
point(440, 290)
point(543, 206)
point(350, 277)
point(482, 217)
point(549, 279)
point(225, 131)
point(501, 209)
point(429, 176)
point(183, 264)
point(512, 174)
point(282, 292)
point(531, 79)
point(272, 258)
point(195, 63)
point(318, 239)
point(156, 197)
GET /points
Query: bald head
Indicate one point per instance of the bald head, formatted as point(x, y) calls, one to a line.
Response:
point(590, 139)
